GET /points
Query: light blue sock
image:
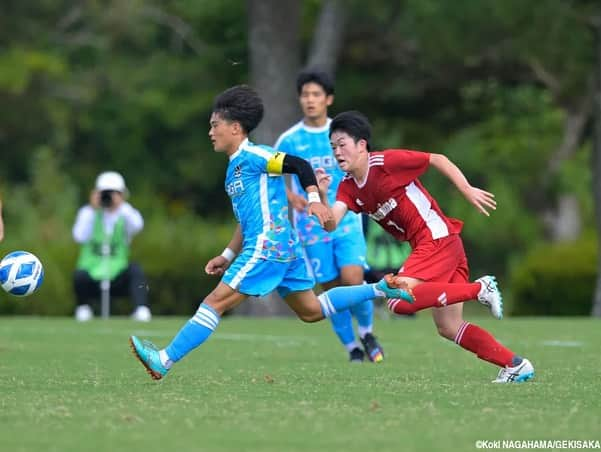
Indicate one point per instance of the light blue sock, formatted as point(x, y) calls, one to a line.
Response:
point(193, 333)
point(339, 299)
point(342, 324)
point(364, 313)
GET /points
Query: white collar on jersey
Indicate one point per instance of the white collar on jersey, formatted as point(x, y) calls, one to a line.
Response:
point(312, 129)
point(242, 146)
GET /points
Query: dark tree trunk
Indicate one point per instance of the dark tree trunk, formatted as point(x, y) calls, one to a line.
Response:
point(274, 50)
point(274, 47)
point(328, 37)
point(275, 60)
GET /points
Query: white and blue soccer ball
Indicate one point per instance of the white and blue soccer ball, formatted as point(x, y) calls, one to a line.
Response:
point(21, 273)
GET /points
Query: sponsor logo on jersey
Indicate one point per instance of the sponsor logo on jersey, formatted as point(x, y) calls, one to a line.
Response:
point(383, 209)
point(235, 188)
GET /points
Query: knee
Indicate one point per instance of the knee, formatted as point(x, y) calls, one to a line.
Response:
point(310, 317)
point(446, 330)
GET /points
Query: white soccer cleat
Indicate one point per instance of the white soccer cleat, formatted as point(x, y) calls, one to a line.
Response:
point(524, 371)
point(490, 296)
point(83, 313)
point(142, 314)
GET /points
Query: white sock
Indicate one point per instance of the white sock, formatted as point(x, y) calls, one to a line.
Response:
point(351, 346)
point(165, 361)
point(363, 330)
point(377, 292)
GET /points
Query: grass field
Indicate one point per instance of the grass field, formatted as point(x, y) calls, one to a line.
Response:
point(281, 385)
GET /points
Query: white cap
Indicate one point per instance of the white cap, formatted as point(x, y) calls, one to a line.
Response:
point(111, 180)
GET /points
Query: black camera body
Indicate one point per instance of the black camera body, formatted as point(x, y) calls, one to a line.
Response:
point(106, 198)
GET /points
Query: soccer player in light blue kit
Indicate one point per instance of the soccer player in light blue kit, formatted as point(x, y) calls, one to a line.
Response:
point(263, 254)
point(336, 258)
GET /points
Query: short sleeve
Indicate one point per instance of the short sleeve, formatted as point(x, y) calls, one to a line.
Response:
point(284, 144)
point(266, 160)
point(343, 194)
point(406, 165)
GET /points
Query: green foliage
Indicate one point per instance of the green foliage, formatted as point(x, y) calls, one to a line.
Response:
point(122, 85)
point(128, 86)
point(172, 250)
point(34, 217)
point(173, 253)
point(555, 279)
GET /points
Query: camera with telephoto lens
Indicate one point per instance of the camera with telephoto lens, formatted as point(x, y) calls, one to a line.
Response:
point(106, 198)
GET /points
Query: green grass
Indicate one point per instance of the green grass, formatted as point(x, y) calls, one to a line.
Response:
point(281, 385)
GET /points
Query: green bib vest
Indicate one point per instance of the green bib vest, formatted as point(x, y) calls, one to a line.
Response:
point(91, 258)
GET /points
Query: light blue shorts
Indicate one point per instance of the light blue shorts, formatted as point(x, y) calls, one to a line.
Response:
point(259, 277)
point(328, 258)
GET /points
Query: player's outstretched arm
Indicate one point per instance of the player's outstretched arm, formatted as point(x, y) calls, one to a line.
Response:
point(339, 209)
point(481, 199)
point(219, 264)
point(296, 201)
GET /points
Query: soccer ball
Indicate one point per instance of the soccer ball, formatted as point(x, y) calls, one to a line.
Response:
point(21, 273)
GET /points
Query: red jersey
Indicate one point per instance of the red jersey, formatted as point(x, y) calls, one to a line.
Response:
point(393, 196)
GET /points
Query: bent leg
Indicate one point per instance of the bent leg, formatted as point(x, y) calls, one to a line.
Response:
point(306, 305)
point(450, 324)
point(448, 320)
point(311, 308)
point(434, 295)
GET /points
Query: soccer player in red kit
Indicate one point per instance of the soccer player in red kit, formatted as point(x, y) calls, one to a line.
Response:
point(385, 185)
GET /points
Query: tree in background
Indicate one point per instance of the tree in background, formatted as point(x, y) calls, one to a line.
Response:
point(130, 83)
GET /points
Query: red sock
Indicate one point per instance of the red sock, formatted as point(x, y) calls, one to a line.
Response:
point(435, 295)
point(483, 344)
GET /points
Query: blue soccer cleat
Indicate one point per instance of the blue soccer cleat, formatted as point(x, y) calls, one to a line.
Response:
point(395, 288)
point(148, 355)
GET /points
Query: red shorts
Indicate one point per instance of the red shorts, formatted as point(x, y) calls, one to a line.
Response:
point(441, 260)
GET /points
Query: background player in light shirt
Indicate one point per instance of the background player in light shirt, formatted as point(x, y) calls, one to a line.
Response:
point(339, 257)
point(264, 253)
point(385, 185)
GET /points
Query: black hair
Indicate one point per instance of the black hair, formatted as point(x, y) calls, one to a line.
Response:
point(242, 104)
point(322, 78)
point(354, 123)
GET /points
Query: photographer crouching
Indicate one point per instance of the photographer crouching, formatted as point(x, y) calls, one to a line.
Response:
point(104, 228)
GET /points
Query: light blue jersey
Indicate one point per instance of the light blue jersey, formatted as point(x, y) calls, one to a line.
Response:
point(313, 145)
point(328, 253)
point(260, 205)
